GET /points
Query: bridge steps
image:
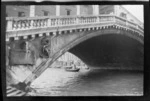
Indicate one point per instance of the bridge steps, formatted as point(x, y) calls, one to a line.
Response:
point(12, 91)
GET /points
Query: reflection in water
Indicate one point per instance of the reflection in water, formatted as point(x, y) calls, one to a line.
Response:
point(93, 82)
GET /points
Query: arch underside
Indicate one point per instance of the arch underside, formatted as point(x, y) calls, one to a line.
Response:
point(116, 38)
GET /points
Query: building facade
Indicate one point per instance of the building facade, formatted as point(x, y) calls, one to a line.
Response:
point(47, 10)
point(69, 10)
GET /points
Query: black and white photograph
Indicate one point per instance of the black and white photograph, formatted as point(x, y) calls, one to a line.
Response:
point(74, 50)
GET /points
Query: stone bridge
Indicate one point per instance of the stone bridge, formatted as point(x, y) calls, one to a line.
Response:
point(30, 39)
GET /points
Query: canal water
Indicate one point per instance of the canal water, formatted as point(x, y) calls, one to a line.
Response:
point(93, 82)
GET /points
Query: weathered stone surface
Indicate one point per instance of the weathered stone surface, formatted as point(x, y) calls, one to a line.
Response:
point(21, 58)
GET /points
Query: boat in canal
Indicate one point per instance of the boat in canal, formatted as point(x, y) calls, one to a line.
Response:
point(72, 68)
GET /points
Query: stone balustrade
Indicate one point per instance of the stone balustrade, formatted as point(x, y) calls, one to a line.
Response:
point(30, 23)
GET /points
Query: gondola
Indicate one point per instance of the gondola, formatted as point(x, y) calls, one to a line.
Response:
point(71, 69)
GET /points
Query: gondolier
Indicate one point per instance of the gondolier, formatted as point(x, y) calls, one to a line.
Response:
point(73, 68)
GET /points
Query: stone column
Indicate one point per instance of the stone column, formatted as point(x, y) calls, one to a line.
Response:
point(95, 9)
point(78, 9)
point(57, 10)
point(32, 11)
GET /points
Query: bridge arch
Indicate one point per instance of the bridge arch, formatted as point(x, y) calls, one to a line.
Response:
point(109, 30)
point(85, 37)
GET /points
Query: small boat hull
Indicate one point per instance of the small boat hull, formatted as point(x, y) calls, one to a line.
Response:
point(72, 70)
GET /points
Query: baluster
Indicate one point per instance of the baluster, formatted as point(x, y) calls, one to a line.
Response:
point(74, 19)
point(56, 21)
point(14, 25)
point(31, 22)
point(83, 20)
point(71, 20)
point(45, 22)
point(41, 23)
point(19, 24)
point(88, 20)
point(38, 23)
point(77, 20)
point(59, 21)
point(22, 24)
point(91, 20)
point(67, 21)
point(27, 24)
point(52, 22)
point(35, 23)
point(62, 21)
point(48, 22)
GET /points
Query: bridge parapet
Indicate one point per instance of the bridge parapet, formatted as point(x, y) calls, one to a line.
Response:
point(36, 25)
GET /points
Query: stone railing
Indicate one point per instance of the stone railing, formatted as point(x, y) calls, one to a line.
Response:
point(29, 23)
